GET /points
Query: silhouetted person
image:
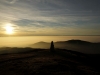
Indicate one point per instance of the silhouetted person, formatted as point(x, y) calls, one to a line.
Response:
point(52, 47)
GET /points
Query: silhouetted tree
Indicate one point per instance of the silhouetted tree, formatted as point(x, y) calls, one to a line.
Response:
point(52, 47)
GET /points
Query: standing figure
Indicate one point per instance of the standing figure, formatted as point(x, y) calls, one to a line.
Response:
point(52, 47)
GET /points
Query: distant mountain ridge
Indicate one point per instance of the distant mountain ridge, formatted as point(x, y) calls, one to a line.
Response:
point(76, 45)
point(78, 42)
point(41, 44)
point(81, 42)
point(74, 42)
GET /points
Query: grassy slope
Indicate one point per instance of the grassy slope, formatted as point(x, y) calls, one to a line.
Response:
point(42, 61)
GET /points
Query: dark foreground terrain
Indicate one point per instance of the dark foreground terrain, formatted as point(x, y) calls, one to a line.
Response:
point(43, 62)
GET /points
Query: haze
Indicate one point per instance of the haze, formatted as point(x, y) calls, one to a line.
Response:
point(25, 41)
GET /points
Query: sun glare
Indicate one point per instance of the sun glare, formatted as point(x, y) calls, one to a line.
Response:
point(9, 29)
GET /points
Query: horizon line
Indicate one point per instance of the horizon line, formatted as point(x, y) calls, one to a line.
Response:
point(44, 35)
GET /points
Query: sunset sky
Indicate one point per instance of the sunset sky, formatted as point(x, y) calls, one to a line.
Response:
point(49, 17)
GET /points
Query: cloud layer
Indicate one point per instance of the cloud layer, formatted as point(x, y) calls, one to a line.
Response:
point(51, 17)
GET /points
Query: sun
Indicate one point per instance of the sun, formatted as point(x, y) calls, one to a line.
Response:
point(9, 29)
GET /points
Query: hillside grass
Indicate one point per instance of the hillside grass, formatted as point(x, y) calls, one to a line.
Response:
point(42, 61)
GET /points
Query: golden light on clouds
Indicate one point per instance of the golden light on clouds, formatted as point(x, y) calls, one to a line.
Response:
point(9, 29)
